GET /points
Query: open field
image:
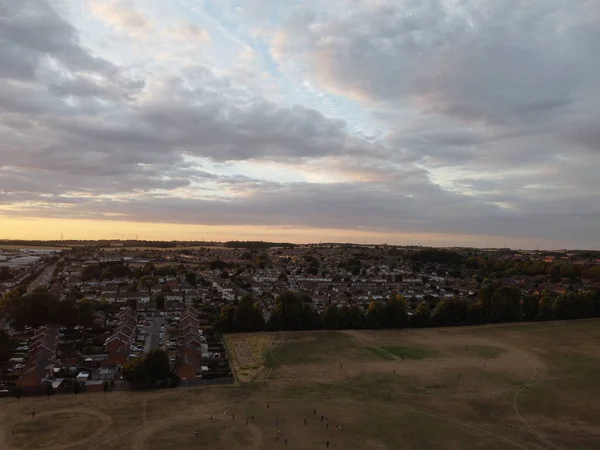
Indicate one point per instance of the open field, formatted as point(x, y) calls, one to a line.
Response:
point(494, 387)
point(168, 249)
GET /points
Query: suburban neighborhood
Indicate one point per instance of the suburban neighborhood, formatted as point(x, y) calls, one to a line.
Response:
point(117, 302)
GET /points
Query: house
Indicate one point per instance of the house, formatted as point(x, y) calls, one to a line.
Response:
point(192, 339)
point(146, 306)
point(173, 308)
point(174, 297)
point(42, 352)
point(191, 363)
point(116, 358)
point(116, 342)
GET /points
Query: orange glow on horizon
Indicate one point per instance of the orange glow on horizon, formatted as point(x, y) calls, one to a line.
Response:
point(35, 228)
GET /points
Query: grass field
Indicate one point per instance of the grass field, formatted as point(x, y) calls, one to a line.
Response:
point(493, 387)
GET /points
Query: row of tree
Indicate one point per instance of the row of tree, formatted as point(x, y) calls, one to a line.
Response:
point(42, 307)
point(495, 304)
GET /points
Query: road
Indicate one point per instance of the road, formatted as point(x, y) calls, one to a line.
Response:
point(43, 279)
point(152, 332)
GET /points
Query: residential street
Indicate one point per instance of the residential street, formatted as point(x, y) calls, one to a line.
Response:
point(153, 330)
point(43, 279)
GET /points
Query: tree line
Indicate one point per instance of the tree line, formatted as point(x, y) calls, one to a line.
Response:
point(42, 307)
point(495, 303)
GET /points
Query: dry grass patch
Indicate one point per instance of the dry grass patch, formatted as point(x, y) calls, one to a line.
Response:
point(246, 351)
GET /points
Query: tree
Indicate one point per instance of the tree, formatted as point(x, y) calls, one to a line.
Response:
point(287, 314)
point(248, 316)
point(49, 390)
point(93, 271)
point(148, 282)
point(375, 315)
point(36, 309)
point(331, 318)
point(67, 312)
point(85, 313)
point(107, 275)
point(147, 371)
point(5, 273)
point(310, 318)
point(530, 307)
point(452, 311)
point(191, 278)
point(105, 387)
point(546, 309)
point(217, 264)
point(395, 312)
point(226, 321)
point(422, 315)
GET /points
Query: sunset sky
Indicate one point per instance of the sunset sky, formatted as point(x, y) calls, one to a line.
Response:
point(449, 122)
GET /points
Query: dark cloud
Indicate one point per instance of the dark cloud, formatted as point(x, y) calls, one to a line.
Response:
point(32, 32)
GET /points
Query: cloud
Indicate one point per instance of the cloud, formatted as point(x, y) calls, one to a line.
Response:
point(477, 60)
point(188, 33)
point(33, 36)
point(122, 15)
point(484, 115)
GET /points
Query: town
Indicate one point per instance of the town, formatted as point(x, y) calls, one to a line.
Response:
point(81, 315)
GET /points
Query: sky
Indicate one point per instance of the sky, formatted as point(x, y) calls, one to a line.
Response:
point(432, 122)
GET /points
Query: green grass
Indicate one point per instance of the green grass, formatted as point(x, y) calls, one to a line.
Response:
point(308, 348)
point(381, 353)
point(479, 351)
point(412, 352)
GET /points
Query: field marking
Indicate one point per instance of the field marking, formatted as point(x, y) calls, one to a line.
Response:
point(146, 423)
point(439, 394)
point(533, 430)
point(413, 410)
point(104, 425)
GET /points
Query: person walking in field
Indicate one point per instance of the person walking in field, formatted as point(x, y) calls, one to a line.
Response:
point(33, 414)
point(327, 444)
point(305, 421)
point(197, 432)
